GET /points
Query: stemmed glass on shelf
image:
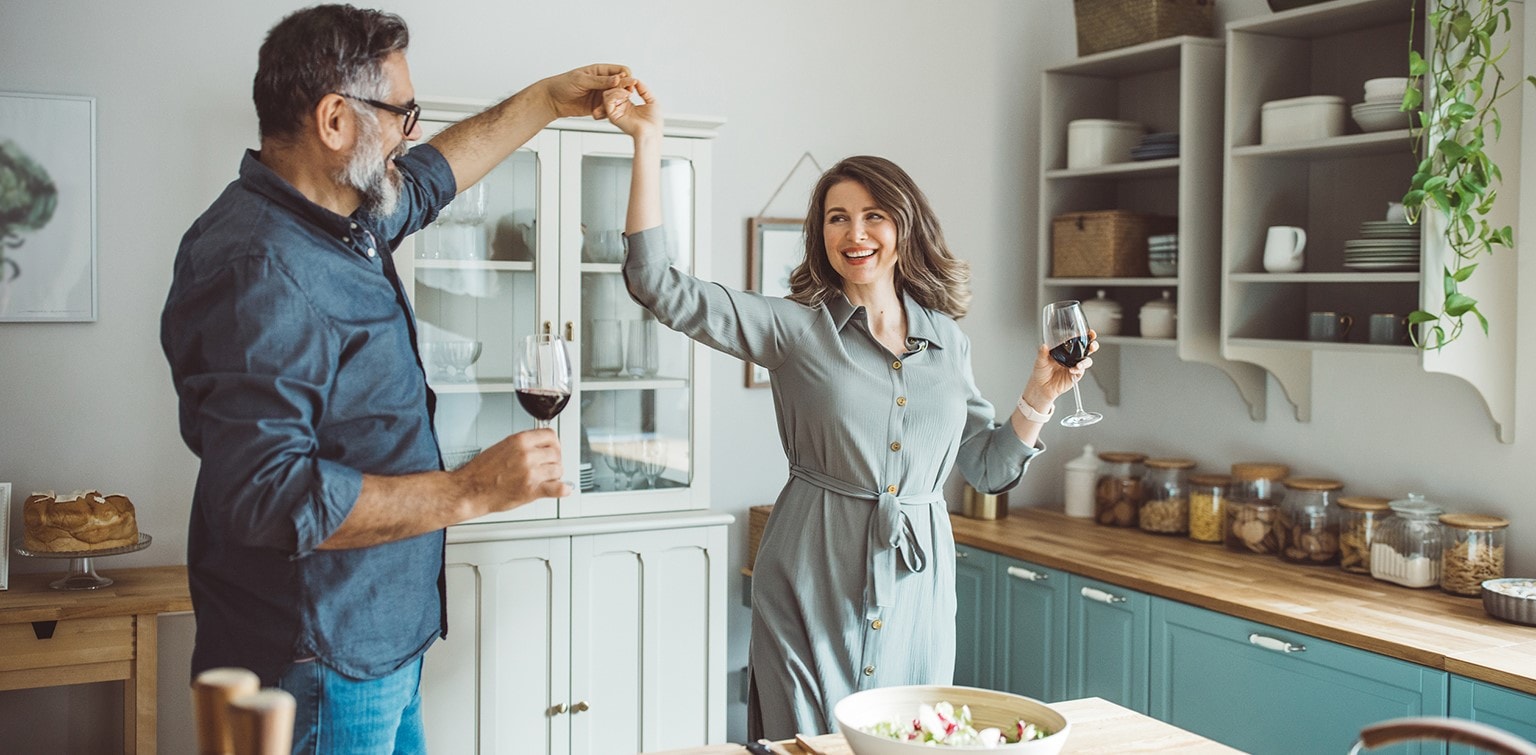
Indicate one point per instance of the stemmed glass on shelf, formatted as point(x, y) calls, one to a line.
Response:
point(1066, 330)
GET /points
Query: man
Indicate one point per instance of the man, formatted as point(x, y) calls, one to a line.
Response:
point(315, 550)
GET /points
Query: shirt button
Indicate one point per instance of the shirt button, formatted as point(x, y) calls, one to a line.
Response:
point(869, 670)
point(371, 252)
point(896, 365)
point(901, 400)
point(876, 624)
point(890, 489)
point(896, 446)
point(353, 225)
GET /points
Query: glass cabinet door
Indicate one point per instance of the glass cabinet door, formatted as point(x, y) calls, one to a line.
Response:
point(481, 277)
point(639, 431)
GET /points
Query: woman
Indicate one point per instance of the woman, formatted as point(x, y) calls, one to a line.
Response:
point(854, 584)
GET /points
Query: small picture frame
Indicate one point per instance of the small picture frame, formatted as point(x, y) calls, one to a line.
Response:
point(5, 535)
point(775, 247)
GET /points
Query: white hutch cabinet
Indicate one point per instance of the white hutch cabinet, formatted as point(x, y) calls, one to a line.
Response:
point(595, 623)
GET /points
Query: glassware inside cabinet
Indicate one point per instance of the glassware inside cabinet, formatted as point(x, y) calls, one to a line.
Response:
point(637, 438)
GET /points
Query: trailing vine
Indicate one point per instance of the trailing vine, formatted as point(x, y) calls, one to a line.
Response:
point(1454, 174)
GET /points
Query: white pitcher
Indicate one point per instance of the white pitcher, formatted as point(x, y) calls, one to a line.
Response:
point(1283, 249)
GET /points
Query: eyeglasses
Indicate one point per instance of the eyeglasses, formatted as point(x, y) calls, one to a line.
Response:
point(412, 112)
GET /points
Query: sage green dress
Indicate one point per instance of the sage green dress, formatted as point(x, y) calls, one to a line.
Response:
point(854, 584)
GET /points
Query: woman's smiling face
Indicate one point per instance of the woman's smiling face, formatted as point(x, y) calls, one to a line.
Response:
point(860, 235)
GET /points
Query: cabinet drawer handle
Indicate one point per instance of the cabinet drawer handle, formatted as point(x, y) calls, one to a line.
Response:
point(556, 709)
point(1027, 575)
point(580, 706)
point(962, 554)
point(1101, 596)
point(1279, 646)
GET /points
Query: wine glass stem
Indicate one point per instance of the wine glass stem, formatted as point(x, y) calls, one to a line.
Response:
point(1077, 397)
point(543, 424)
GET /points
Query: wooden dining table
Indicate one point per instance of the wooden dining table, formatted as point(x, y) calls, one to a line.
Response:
point(1098, 726)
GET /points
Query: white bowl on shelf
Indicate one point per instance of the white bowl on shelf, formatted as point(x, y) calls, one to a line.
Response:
point(1386, 88)
point(1092, 142)
point(1385, 116)
point(988, 708)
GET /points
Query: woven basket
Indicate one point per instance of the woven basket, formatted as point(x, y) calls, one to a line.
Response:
point(1112, 24)
point(1104, 243)
point(757, 519)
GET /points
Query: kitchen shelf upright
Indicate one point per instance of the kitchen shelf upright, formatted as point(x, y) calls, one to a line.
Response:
point(1330, 186)
point(1168, 85)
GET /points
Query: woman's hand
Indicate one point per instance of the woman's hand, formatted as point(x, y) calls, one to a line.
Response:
point(1050, 379)
point(638, 121)
point(579, 91)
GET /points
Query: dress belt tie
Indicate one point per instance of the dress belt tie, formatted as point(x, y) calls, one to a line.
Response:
point(890, 532)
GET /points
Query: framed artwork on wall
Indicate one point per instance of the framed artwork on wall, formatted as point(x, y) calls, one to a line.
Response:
point(775, 246)
point(47, 208)
point(5, 535)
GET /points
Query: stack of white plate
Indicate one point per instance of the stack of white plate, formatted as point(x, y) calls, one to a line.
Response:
point(1383, 245)
point(1163, 255)
point(588, 477)
point(1156, 146)
point(1382, 108)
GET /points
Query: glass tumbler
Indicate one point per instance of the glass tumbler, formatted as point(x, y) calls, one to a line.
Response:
point(640, 359)
point(607, 347)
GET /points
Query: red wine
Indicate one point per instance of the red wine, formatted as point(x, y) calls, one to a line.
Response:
point(1070, 353)
point(542, 403)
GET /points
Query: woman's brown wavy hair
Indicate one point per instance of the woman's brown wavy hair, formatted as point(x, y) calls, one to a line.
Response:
point(925, 268)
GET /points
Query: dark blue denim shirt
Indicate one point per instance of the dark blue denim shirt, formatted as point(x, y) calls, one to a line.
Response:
point(292, 348)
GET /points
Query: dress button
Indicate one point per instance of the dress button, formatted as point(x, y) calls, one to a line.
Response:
point(896, 365)
point(901, 400)
point(869, 670)
point(876, 624)
point(890, 489)
point(896, 446)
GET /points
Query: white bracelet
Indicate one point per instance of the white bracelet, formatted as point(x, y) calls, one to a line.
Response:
point(1032, 415)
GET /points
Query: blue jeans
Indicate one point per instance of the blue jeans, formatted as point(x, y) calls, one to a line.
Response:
point(337, 715)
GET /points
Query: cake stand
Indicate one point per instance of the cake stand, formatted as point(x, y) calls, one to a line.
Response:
point(82, 573)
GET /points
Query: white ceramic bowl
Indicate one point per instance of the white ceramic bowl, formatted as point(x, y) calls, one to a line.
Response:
point(988, 708)
point(1382, 117)
point(1387, 88)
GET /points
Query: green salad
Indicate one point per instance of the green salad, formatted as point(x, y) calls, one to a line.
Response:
point(939, 726)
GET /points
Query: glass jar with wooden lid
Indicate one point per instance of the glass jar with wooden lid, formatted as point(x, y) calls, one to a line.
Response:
point(1308, 530)
point(1118, 493)
point(1407, 547)
point(1207, 506)
point(1253, 502)
point(1359, 517)
point(1165, 487)
point(1472, 551)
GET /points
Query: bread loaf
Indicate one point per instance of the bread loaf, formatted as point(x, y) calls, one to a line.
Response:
point(82, 521)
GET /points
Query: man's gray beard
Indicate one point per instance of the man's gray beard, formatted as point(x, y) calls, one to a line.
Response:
point(378, 187)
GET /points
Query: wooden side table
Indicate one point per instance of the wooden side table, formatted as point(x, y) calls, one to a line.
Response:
point(50, 638)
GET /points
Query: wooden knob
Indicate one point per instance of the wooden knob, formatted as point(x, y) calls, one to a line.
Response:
point(261, 723)
point(212, 691)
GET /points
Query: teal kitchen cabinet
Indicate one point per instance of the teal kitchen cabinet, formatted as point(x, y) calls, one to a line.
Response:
point(975, 615)
point(1266, 690)
point(1107, 642)
point(1514, 712)
point(1030, 647)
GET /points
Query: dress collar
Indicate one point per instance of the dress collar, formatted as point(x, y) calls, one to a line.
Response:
point(920, 326)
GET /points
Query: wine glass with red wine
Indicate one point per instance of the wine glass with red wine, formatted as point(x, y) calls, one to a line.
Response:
point(1066, 330)
point(543, 380)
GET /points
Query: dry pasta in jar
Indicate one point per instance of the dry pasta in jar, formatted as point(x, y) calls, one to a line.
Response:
point(1472, 551)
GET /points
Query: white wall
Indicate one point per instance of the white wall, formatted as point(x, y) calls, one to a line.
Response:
point(948, 90)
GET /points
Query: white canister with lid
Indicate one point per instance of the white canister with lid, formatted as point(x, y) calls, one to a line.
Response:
point(1081, 473)
point(1301, 119)
point(1159, 318)
point(1092, 142)
point(1104, 315)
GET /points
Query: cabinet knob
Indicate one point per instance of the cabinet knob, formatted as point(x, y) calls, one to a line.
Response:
point(1102, 597)
point(581, 705)
point(549, 327)
point(570, 331)
point(556, 709)
point(1277, 645)
point(1027, 575)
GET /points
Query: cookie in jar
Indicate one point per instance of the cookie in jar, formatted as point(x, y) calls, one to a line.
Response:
point(1253, 503)
point(1118, 493)
point(1308, 527)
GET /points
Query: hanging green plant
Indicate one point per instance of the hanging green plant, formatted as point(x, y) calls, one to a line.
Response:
point(1455, 175)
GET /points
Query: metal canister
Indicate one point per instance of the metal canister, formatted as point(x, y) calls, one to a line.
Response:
point(978, 505)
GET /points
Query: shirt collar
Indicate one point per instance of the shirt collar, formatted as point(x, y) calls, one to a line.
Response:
point(920, 326)
point(264, 181)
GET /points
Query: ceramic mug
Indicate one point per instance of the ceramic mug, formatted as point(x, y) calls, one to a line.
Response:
point(1388, 328)
point(1328, 326)
point(1283, 248)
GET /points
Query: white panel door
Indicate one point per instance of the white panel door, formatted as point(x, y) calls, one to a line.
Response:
point(648, 638)
point(500, 682)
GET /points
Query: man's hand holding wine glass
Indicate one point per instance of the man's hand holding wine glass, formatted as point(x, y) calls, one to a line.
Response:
point(519, 468)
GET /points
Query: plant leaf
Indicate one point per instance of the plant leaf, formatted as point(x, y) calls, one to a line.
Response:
point(1459, 304)
point(1464, 273)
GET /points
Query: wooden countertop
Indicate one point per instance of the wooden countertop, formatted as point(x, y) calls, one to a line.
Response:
point(1425, 626)
point(145, 590)
point(1098, 726)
